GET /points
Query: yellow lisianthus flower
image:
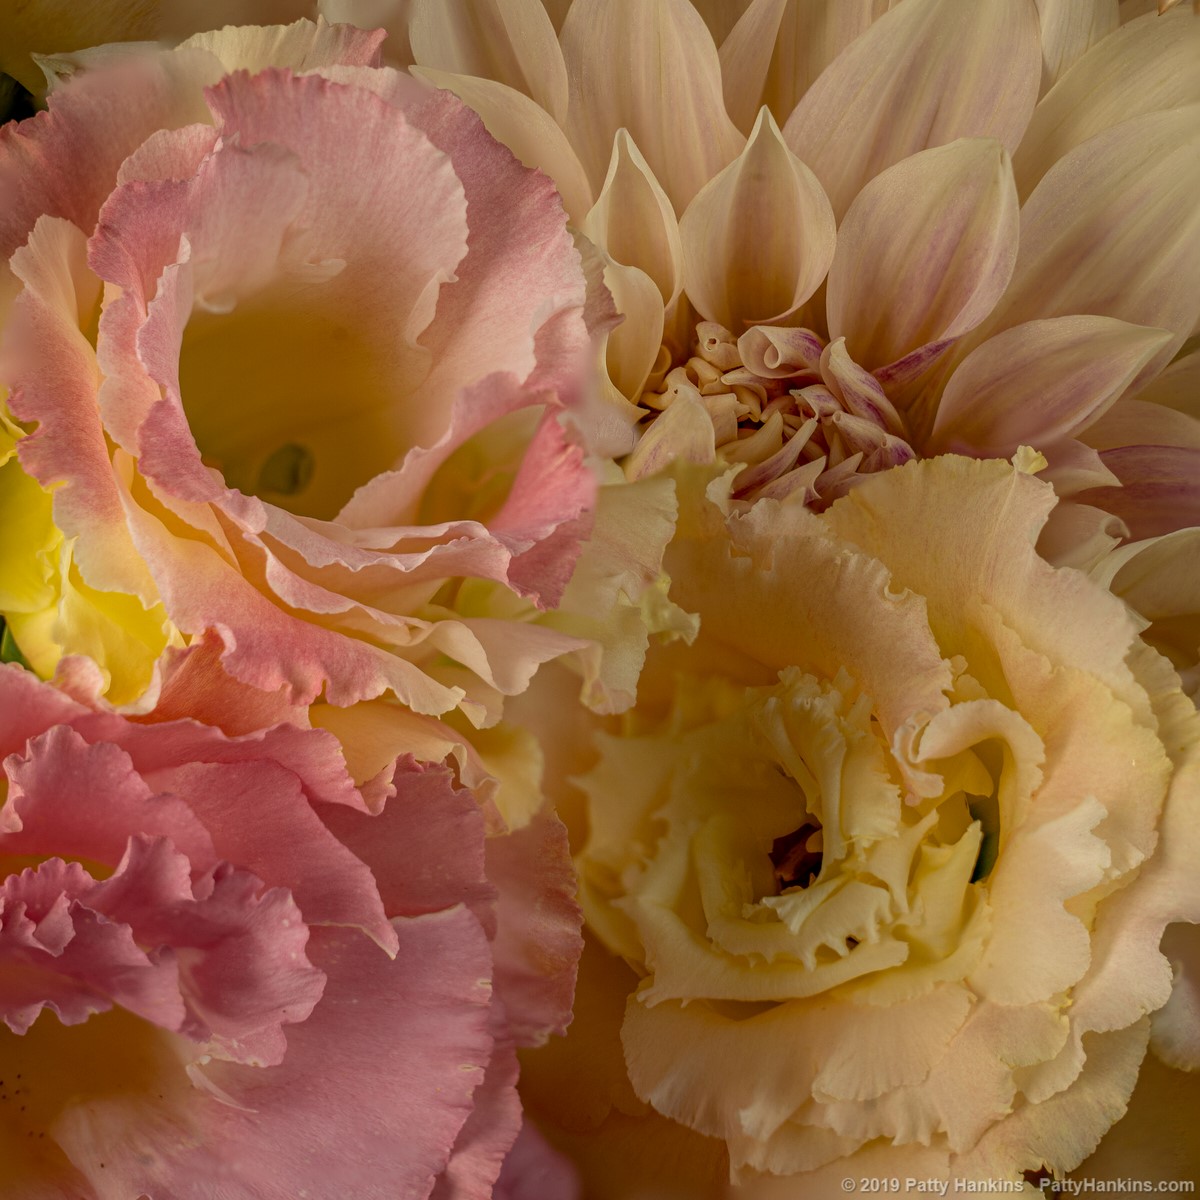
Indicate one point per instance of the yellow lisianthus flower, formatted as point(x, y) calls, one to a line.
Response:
point(48, 608)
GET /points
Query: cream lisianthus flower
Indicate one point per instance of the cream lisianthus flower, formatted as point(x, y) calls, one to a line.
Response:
point(888, 852)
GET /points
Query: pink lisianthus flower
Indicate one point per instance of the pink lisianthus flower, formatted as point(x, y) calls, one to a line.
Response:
point(256, 988)
point(293, 351)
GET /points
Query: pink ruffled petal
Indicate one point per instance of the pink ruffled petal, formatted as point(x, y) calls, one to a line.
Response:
point(538, 940)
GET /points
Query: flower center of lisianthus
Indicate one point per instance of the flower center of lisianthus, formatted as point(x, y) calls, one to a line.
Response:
point(795, 410)
point(290, 404)
point(797, 856)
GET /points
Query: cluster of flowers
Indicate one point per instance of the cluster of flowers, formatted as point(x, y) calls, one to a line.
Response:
point(674, 519)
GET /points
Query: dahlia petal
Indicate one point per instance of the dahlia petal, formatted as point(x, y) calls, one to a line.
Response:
point(651, 68)
point(538, 941)
point(1178, 387)
point(1040, 382)
point(1159, 492)
point(633, 222)
point(1142, 68)
point(522, 125)
point(776, 51)
point(1110, 230)
point(758, 239)
point(924, 75)
point(1069, 29)
point(510, 41)
point(633, 347)
point(924, 252)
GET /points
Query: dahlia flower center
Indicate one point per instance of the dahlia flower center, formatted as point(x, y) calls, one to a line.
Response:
point(796, 411)
point(290, 402)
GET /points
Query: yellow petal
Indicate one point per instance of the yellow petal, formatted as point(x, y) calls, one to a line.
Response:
point(758, 239)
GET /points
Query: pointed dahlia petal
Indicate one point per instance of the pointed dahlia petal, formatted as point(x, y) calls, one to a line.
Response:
point(1160, 489)
point(1069, 29)
point(526, 128)
point(510, 41)
point(1040, 382)
point(758, 239)
point(778, 47)
point(633, 220)
point(1151, 64)
point(924, 252)
point(634, 345)
point(649, 66)
point(923, 75)
point(1113, 229)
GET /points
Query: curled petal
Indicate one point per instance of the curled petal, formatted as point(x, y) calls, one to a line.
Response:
point(759, 238)
point(923, 75)
point(924, 252)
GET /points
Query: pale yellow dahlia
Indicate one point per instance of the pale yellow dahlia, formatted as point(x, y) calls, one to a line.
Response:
point(846, 234)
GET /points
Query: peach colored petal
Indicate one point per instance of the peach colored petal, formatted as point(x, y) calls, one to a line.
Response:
point(510, 41)
point(1069, 29)
point(1109, 230)
point(1039, 382)
point(924, 252)
point(649, 66)
point(778, 47)
point(1141, 68)
point(926, 74)
point(758, 239)
point(1158, 490)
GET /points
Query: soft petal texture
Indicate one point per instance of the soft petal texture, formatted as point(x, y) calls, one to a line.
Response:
point(1069, 29)
point(924, 252)
point(779, 47)
point(649, 66)
point(887, 847)
point(510, 41)
point(1040, 382)
point(758, 239)
point(306, 539)
point(923, 75)
point(1146, 66)
point(1109, 231)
